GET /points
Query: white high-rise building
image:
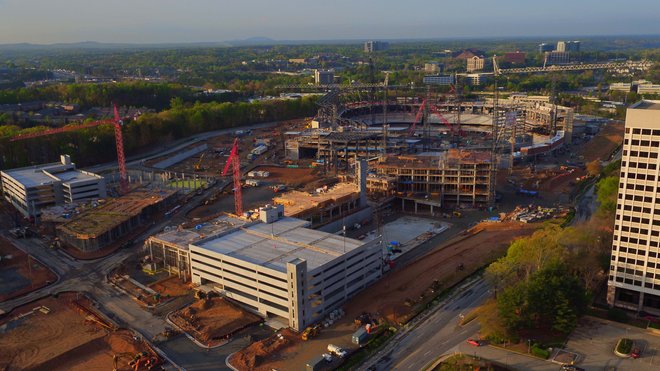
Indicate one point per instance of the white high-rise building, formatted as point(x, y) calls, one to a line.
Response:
point(634, 280)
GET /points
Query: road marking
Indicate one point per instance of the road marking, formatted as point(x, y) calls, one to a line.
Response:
point(427, 353)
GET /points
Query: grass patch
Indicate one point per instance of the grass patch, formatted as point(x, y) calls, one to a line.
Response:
point(462, 362)
point(540, 352)
point(654, 325)
point(624, 346)
point(569, 218)
point(188, 183)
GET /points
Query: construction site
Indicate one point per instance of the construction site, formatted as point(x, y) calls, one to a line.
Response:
point(66, 333)
point(20, 273)
point(98, 227)
point(212, 320)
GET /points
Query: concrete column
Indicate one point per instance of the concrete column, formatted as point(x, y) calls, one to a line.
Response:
point(640, 305)
point(611, 295)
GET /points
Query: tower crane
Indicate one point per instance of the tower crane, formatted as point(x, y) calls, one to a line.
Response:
point(235, 163)
point(119, 142)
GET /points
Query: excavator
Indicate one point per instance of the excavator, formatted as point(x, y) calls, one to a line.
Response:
point(198, 165)
point(311, 332)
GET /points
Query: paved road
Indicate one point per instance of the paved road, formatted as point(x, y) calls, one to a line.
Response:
point(177, 146)
point(419, 342)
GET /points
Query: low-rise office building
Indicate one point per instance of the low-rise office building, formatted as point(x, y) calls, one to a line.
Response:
point(32, 188)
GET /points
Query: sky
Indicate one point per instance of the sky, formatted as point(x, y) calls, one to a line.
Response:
point(177, 21)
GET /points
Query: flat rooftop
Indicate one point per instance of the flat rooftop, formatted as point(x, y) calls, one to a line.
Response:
point(647, 104)
point(183, 237)
point(94, 222)
point(273, 245)
point(45, 174)
point(296, 202)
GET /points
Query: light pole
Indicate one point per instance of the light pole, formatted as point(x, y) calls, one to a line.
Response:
point(529, 345)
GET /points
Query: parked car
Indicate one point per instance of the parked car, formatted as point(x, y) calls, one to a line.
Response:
point(636, 353)
point(475, 342)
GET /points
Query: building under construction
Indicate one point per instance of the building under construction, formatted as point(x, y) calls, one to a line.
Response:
point(321, 144)
point(100, 226)
point(439, 179)
point(326, 205)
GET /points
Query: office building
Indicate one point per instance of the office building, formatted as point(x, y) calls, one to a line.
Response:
point(568, 46)
point(648, 88)
point(475, 63)
point(33, 188)
point(557, 57)
point(278, 267)
point(439, 80)
point(434, 67)
point(634, 280)
point(374, 46)
point(543, 47)
point(324, 77)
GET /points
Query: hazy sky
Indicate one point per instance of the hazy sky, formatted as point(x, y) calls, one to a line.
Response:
point(158, 21)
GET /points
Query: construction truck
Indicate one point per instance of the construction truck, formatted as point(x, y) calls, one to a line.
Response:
point(311, 332)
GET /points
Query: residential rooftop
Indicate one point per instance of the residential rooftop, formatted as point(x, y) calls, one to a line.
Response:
point(273, 245)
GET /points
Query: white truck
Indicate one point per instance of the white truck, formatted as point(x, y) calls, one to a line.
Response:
point(339, 352)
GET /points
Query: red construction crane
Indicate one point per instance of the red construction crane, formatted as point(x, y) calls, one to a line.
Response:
point(119, 142)
point(418, 117)
point(236, 167)
point(454, 129)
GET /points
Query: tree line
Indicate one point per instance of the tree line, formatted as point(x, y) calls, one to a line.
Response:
point(97, 144)
point(547, 280)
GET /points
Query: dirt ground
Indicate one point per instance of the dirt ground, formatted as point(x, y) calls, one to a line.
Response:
point(486, 242)
point(214, 323)
point(387, 296)
point(20, 274)
point(67, 338)
point(171, 286)
point(260, 354)
point(603, 143)
point(293, 178)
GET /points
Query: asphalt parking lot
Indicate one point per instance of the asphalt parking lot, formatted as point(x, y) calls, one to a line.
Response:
point(594, 340)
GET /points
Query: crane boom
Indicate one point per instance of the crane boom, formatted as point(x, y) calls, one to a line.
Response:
point(119, 142)
point(418, 117)
point(235, 163)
